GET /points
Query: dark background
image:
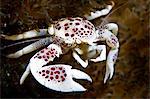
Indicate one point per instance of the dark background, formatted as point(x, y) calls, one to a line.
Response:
point(131, 78)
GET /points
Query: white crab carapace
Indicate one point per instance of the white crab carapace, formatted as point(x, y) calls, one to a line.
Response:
point(64, 35)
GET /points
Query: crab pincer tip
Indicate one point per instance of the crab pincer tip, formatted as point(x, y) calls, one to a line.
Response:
point(112, 3)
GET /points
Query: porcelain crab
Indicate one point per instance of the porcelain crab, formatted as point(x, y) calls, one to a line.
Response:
point(64, 35)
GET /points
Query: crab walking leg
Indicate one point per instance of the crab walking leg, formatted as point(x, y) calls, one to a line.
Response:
point(78, 59)
point(31, 47)
point(59, 77)
point(111, 59)
point(102, 50)
point(97, 14)
point(112, 27)
point(112, 41)
point(112, 56)
point(41, 58)
point(28, 34)
point(25, 74)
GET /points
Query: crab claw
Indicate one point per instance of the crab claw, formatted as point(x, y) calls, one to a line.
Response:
point(46, 55)
point(41, 58)
point(59, 77)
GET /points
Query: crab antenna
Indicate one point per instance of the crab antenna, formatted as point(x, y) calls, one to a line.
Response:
point(18, 43)
point(105, 19)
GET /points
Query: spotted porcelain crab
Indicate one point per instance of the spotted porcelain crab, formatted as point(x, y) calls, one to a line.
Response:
point(64, 35)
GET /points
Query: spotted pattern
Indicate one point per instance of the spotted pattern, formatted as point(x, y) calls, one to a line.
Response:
point(46, 54)
point(115, 57)
point(101, 34)
point(56, 73)
point(74, 28)
point(113, 39)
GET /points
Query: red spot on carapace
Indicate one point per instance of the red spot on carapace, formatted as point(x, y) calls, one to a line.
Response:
point(89, 27)
point(82, 29)
point(60, 68)
point(51, 73)
point(63, 79)
point(52, 49)
point(72, 35)
point(47, 71)
point(35, 56)
point(39, 57)
point(59, 28)
point(52, 68)
point(85, 26)
point(65, 75)
point(66, 34)
point(47, 53)
point(63, 71)
point(56, 76)
point(52, 56)
point(46, 59)
point(43, 56)
point(66, 24)
point(66, 28)
point(57, 72)
point(74, 29)
point(77, 23)
point(57, 25)
point(88, 23)
point(52, 52)
point(42, 51)
point(51, 78)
